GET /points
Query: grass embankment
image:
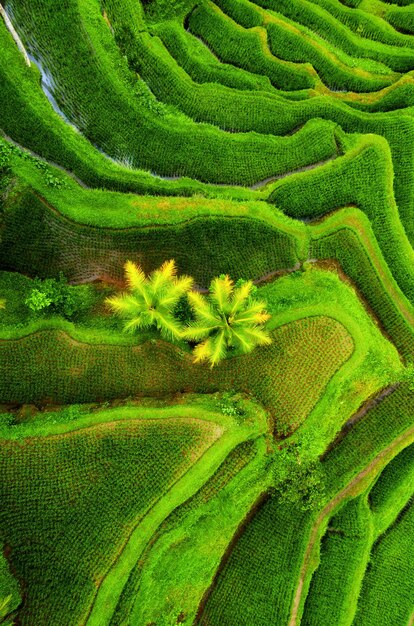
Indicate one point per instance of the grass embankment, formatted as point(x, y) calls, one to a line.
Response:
point(386, 594)
point(117, 576)
point(268, 556)
point(347, 549)
point(81, 467)
point(186, 549)
point(319, 328)
point(58, 142)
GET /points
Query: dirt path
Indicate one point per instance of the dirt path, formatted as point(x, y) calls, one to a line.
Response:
point(350, 489)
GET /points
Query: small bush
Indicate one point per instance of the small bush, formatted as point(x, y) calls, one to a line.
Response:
point(56, 296)
point(299, 481)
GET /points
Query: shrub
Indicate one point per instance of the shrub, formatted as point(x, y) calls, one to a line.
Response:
point(302, 482)
point(56, 296)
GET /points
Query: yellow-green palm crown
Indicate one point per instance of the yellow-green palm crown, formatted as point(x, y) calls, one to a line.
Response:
point(150, 301)
point(228, 317)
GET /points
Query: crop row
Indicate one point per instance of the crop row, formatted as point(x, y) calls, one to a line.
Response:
point(39, 241)
point(289, 41)
point(284, 120)
point(393, 490)
point(29, 118)
point(367, 25)
point(182, 522)
point(172, 85)
point(69, 502)
point(99, 98)
point(264, 561)
point(352, 536)
point(323, 23)
point(333, 594)
point(268, 555)
point(247, 49)
point(336, 70)
point(318, 325)
point(197, 60)
point(386, 593)
point(344, 237)
point(289, 375)
point(362, 178)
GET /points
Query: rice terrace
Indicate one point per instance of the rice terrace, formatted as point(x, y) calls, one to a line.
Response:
point(207, 312)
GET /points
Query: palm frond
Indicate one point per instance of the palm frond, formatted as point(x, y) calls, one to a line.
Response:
point(202, 351)
point(168, 268)
point(218, 350)
point(201, 307)
point(135, 277)
point(251, 336)
point(240, 296)
point(136, 323)
point(247, 317)
point(174, 291)
point(162, 276)
point(125, 304)
point(253, 313)
point(169, 327)
point(240, 340)
point(4, 602)
point(221, 290)
point(212, 349)
point(197, 331)
point(255, 305)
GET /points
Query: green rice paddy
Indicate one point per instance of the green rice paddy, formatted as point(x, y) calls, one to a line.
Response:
point(269, 141)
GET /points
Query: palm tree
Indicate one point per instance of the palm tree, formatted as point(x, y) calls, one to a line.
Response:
point(150, 301)
point(228, 318)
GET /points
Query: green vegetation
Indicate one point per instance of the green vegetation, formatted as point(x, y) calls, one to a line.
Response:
point(385, 593)
point(229, 319)
point(10, 597)
point(345, 550)
point(151, 301)
point(116, 451)
point(57, 297)
point(225, 438)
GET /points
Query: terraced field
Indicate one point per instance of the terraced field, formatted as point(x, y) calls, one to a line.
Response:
point(268, 141)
